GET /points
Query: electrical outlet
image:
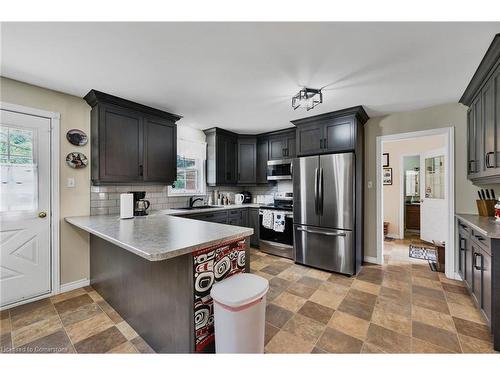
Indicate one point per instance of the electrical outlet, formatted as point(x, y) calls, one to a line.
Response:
point(70, 182)
point(370, 184)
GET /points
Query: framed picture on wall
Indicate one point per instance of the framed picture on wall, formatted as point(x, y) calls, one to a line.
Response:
point(385, 160)
point(387, 176)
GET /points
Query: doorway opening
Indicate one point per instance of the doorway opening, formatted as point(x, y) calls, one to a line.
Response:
point(415, 199)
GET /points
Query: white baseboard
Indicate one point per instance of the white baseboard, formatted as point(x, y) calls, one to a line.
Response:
point(394, 236)
point(74, 285)
point(370, 260)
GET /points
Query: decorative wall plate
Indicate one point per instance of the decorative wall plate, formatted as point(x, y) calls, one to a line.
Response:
point(77, 137)
point(77, 160)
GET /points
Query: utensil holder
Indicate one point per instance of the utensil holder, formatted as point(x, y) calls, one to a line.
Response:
point(486, 207)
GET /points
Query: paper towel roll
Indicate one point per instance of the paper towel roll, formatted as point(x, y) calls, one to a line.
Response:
point(126, 206)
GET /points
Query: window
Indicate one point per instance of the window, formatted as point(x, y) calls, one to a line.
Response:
point(190, 169)
point(17, 170)
point(434, 177)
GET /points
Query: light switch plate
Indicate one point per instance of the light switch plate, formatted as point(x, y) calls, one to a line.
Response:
point(370, 185)
point(70, 182)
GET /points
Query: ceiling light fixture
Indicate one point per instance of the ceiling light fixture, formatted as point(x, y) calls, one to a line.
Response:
point(307, 98)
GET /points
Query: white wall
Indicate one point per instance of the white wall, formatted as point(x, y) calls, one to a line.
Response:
point(75, 113)
point(440, 116)
point(393, 193)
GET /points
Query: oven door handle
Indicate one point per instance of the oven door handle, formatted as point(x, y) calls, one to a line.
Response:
point(336, 234)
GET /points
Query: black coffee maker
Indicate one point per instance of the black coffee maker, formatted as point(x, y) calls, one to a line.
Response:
point(140, 204)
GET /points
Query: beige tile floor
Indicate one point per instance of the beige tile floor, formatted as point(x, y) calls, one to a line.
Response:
point(400, 307)
point(79, 321)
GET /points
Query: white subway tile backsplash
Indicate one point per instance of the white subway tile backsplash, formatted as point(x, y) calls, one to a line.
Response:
point(105, 200)
point(99, 211)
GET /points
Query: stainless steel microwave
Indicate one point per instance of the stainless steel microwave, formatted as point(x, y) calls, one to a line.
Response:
point(279, 169)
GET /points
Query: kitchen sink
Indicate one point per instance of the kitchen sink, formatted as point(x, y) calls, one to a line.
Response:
point(195, 208)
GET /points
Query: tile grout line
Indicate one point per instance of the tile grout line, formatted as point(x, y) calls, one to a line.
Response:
point(11, 332)
point(453, 320)
point(64, 328)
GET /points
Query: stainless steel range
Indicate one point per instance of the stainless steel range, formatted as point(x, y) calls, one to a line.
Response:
point(276, 236)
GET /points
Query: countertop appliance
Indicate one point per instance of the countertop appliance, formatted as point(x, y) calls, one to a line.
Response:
point(279, 169)
point(275, 242)
point(247, 197)
point(140, 204)
point(323, 212)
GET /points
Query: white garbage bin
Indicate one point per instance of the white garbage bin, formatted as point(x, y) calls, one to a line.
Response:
point(240, 313)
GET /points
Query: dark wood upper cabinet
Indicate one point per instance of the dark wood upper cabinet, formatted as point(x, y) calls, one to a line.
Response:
point(482, 96)
point(114, 130)
point(276, 147)
point(222, 157)
point(160, 143)
point(329, 132)
point(339, 134)
point(247, 160)
point(282, 144)
point(290, 144)
point(262, 157)
point(310, 139)
point(131, 143)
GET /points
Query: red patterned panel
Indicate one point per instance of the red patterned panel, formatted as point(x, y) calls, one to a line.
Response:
point(210, 266)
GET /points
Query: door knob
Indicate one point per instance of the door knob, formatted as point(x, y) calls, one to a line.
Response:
point(421, 201)
point(42, 214)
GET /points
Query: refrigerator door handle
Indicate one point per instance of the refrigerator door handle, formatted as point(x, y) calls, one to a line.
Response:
point(320, 191)
point(336, 234)
point(316, 191)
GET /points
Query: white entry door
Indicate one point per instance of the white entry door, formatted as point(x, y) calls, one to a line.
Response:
point(433, 196)
point(25, 257)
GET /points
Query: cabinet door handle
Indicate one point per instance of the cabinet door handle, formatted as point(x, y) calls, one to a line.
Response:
point(477, 255)
point(471, 169)
point(324, 142)
point(487, 160)
point(321, 143)
point(462, 244)
point(141, 170)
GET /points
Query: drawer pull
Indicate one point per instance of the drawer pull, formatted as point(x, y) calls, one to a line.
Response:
point(479, 237)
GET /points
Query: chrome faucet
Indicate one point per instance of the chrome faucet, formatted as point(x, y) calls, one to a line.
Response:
point(192, 201)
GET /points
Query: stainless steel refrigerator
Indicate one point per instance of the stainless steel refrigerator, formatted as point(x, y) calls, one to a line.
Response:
point(323, 212)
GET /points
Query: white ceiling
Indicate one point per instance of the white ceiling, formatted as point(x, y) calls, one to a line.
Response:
point(241, 76)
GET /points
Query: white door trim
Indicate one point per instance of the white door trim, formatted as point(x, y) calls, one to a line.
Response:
point(449, 132)
point(54, 118)
point(402, 197)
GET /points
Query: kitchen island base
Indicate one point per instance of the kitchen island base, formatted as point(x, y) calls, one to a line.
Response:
point(167, 302)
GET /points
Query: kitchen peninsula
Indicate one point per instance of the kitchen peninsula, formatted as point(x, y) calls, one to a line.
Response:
point(157, 272)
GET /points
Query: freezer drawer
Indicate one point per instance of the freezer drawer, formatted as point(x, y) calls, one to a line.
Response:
point(328, 249)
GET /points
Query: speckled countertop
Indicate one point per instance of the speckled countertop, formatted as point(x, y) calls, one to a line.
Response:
point(159, 237)
point(485, 225)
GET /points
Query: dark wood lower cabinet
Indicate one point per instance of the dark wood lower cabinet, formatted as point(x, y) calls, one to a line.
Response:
point(412, 216)
point(486, 283)
point(243, 217)
point(479, 267)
